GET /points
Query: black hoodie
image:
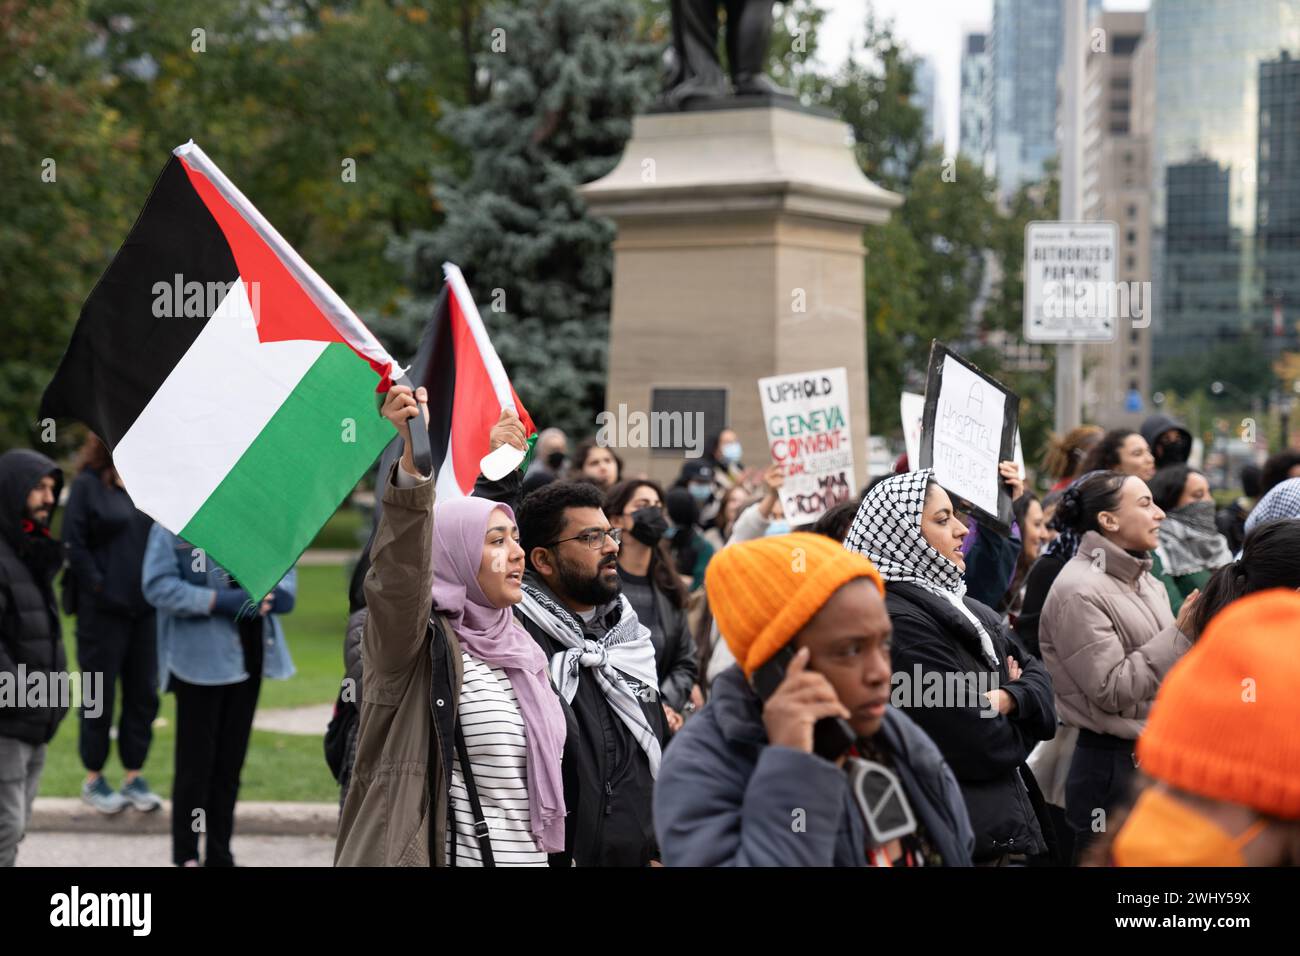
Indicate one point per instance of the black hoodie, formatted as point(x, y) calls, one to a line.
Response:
point(30, 634)
point(1157, 425)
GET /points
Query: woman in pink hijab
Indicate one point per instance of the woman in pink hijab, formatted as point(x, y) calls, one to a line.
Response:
point(511, 726)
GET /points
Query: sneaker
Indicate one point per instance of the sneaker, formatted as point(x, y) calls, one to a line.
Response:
point(137, 793)
point(103, 797)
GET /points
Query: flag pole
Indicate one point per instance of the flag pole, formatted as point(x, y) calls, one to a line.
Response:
point(421, 452)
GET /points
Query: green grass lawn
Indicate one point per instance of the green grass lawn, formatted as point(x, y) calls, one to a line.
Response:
point(279, 766)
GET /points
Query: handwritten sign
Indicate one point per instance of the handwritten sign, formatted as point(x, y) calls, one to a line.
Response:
point(969, 428)
point(912, 409)
point(809, 434)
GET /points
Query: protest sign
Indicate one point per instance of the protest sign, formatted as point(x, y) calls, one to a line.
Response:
point(912, 409)
point(809, 433)
point(969, 428)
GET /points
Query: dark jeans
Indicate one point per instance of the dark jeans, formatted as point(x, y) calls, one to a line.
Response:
point(1101, 777)
point(213, 727)
point(122, 647)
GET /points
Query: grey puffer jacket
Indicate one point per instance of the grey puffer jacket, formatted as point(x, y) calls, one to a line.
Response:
point(726, 797)
point(1108, 638)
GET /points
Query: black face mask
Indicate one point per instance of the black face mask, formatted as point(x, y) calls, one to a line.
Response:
point(649, 525)
point(582, 589)
point(555, 460)
point(1173, 450)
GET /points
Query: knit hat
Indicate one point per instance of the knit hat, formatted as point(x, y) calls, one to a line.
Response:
point(763, 592)
point(1226, 721)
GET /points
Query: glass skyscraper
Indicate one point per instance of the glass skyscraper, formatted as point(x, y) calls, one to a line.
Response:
point(1025, 49)
point(1209, 55)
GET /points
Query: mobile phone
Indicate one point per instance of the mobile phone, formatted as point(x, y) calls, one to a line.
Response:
point(832, 736)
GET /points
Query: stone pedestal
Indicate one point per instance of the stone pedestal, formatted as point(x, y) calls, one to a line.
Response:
point(739, 255)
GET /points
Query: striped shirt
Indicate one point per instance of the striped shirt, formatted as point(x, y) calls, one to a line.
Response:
point(496, 744)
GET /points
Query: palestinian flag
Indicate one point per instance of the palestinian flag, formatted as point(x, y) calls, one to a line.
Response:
point(235, 389)
point(467, 386)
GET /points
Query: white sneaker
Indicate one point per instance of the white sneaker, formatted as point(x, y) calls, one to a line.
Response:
point(103, 797)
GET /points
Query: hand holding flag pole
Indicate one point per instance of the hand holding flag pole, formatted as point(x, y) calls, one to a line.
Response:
point(400, 407)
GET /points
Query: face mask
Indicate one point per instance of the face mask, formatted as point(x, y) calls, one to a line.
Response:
point(1198, 514)
point(1172, 450)
point(1164, 831)
point(731, 451)
point(554, 460)
point(780, 526)
point(700, 493)
point(648, 526)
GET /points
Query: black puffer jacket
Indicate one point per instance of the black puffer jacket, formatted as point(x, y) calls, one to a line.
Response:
point(30, 634)
point(986, 753)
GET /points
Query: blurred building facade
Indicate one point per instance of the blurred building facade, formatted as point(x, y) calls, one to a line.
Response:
point(975, 140)
point(1277, 203)
point(925, 97)
point(1118, 96)
point(1025, 54)
point(1212, 77)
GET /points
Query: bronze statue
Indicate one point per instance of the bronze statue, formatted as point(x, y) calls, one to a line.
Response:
point(696, 73)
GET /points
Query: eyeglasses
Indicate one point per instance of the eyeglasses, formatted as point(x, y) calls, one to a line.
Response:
point(593, 538)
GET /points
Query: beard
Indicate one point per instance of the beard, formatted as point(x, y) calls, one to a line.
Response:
point(584, 588)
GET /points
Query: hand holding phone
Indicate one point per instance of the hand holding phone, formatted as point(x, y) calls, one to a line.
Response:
point(793, 707)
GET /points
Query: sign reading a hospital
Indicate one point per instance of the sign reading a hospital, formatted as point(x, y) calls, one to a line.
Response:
point(1071, 292)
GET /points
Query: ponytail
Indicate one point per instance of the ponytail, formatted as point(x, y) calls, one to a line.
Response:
point(1225, 586)
point(1267, 561)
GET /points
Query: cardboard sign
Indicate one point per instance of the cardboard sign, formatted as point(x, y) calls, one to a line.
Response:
point(809, 434)
point(969, 428)
point(912, 411)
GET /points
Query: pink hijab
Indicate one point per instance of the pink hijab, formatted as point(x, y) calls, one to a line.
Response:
point(492, 635)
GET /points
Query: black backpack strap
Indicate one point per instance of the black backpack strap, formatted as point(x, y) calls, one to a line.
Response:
point(480, 821)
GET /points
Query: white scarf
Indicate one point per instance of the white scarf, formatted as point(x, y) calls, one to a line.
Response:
point(622, 662)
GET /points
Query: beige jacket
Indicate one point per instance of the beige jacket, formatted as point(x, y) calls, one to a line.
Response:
point(1108, 637)
point(385, 817)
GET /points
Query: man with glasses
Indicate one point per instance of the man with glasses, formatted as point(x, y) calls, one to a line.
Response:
point(602, 663)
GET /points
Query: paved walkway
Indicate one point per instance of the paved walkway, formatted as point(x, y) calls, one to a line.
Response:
point(58, 848)
point(252, 817)
point(328, 556)
point(308, 721)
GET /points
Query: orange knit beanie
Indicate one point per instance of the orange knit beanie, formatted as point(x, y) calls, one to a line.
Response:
point(1226, 721)
point(763, 592)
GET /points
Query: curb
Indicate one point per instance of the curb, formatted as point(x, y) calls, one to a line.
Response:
point(252, 818)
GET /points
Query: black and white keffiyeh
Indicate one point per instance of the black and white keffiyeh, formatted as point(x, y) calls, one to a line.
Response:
point(622, 662)
point(887, 529)
point(1190, 541)
point(1281, 502)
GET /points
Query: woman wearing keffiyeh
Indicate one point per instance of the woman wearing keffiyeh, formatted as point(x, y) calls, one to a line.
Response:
point(1191, 547)
point(996, 700)
point(1282, 501)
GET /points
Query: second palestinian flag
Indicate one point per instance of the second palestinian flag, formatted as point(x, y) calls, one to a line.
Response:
point(467, 386)
point(235, 389)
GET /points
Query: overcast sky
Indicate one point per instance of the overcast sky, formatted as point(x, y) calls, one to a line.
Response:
point(930, 28)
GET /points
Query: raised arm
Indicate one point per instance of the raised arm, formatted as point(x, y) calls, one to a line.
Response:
point(399, 583)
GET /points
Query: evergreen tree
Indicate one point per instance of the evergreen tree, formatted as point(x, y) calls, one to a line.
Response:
point(565, 78)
